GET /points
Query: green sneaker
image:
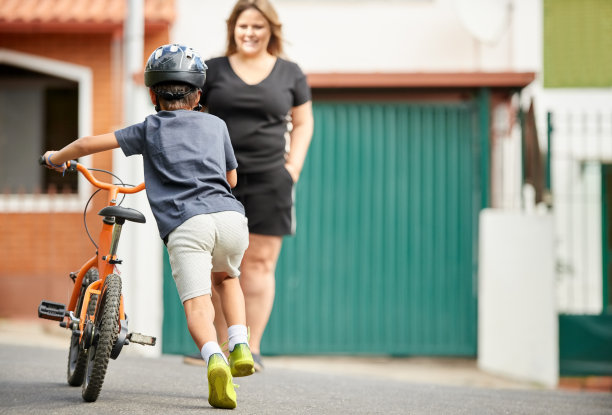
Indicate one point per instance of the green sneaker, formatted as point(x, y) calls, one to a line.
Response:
point(241, 360)
point(221, 393)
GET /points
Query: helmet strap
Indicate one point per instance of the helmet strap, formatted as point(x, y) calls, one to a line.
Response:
point(198, 107)
point(157, 107)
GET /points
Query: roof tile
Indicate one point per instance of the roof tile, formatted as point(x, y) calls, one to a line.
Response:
point(80, 11)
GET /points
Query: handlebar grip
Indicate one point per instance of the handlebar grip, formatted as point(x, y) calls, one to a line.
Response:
point(70, 164)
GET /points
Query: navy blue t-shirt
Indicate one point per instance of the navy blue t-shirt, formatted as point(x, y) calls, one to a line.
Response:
point(186, 155)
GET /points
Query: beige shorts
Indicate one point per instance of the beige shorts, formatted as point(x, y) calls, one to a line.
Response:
point(211, 242)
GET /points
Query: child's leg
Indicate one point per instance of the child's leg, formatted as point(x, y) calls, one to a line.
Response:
point(232, 303)
point(230, 297)
point(200, 315)
point(189, 249)
point(220, 323)
point(237, 333)
point(232, 241)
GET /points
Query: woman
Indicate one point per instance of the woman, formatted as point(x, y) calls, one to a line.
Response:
point(266, 104)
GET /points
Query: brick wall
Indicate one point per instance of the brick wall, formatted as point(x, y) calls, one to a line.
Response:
point(40, 249)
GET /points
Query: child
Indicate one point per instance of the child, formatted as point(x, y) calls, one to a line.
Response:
point(189, 169)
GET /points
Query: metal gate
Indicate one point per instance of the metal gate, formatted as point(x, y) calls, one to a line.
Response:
point(384, 259)
point(581, 171)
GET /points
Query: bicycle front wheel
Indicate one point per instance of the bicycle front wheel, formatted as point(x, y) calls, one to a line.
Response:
point(106, 329)
point(77, 355)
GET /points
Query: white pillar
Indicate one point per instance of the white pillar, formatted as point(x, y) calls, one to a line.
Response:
point(140, 246)
point(517, 314)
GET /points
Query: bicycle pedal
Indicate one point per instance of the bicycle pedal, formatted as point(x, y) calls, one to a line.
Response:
point(141, 339)
point(51, 311)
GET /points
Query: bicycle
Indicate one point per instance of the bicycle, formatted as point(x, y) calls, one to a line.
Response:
point(95, 313)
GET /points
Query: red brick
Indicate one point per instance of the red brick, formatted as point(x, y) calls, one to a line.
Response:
point(598, 383)
point(571, 383)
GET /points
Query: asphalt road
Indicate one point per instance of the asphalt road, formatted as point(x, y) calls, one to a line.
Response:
point(33, 381)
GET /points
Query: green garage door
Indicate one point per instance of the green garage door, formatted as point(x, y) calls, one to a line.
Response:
point(384, 259)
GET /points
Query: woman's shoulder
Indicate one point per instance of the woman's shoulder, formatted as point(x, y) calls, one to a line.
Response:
point(288, 67)
point(219, 60)
point(287, 63)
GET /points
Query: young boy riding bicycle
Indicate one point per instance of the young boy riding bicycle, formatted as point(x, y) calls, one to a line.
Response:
point(189, 169)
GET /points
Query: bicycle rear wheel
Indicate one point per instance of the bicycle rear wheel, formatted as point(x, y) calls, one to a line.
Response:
point(77, 356)
point(106, 329)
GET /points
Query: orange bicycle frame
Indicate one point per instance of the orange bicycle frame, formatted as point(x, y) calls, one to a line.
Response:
point(103, 260)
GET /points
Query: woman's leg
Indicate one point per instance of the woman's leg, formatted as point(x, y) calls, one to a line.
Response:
point(258, 283)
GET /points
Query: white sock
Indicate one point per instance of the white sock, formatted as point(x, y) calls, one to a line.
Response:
point(211, 348)
point(237, 334)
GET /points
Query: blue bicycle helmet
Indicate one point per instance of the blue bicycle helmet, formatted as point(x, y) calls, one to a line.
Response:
point(175, 63)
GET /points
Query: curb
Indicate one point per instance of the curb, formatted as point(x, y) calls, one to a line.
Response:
point(587, 383)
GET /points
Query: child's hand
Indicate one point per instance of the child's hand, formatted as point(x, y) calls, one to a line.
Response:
point(50, 165)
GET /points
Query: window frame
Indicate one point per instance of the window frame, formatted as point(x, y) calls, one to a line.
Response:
point(82, 75)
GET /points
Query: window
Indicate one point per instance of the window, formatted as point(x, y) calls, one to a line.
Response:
point(37, 112)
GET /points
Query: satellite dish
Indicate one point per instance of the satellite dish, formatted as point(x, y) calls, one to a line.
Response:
point(486, 20)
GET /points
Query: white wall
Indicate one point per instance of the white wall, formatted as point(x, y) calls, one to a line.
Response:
point(517, 314)
point(378, 36)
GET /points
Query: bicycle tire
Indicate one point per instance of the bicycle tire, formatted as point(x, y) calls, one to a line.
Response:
point(77, 356)
point(106, 330)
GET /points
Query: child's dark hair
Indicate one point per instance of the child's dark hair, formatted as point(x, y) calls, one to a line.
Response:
point(175, 95)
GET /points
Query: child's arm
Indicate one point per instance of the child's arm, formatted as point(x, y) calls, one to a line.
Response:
point(232, 178)
point(79, 148)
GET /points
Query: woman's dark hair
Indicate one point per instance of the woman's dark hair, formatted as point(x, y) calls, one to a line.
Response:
point(275, 45)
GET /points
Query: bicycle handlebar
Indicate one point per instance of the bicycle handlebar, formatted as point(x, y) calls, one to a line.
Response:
point(73, 165)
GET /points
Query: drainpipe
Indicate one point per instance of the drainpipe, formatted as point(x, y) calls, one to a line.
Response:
point(133, 41)
point(484, 121)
